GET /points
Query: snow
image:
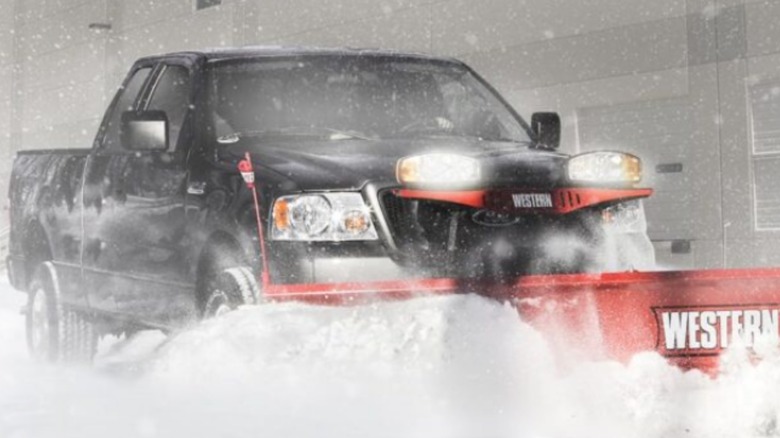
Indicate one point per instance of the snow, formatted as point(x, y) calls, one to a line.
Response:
point(458, 366)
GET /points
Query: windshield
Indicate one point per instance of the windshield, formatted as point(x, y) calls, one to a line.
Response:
point(353, 96)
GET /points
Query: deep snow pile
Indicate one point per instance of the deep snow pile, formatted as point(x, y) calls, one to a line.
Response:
point(458, 366)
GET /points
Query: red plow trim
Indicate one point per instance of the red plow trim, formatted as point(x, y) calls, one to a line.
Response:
point(689, 317)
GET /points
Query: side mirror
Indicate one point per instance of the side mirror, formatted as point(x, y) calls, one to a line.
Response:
point(546, 128)
point(144, 131)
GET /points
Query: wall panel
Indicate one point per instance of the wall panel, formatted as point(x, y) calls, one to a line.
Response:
point(658, 45)
point(465, 26)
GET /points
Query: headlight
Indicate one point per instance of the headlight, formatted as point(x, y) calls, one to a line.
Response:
point(625, 217)
point(438, 169)
point(325, 217)
point(605, 167)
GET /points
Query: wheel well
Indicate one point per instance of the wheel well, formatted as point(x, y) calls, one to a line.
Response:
point(36, 249)
point(221, 251)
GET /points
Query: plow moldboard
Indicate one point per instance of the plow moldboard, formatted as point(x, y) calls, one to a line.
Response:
point(689, 317)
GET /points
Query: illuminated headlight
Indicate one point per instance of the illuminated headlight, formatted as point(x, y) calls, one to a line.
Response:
point(605, 167)
point(438, 170)
point(323, 217)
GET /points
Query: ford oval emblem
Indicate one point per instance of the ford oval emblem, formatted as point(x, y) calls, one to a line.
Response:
point(491, 218)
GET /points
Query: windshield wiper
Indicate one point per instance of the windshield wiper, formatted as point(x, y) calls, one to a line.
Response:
point(328, 133)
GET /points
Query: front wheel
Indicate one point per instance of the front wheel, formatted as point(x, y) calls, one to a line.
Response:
point(56, 333)
point(230, 289)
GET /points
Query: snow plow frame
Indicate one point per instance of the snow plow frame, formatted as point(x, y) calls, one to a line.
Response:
point(689, 317)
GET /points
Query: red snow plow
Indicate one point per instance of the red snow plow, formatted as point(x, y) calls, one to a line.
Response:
point(689, 317)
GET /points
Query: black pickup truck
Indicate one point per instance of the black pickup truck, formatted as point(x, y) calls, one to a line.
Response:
point(369, 165)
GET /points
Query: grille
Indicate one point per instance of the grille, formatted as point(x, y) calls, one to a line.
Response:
point(398, 219)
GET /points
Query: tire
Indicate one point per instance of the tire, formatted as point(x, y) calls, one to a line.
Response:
point(230, 289)
point(56, 333)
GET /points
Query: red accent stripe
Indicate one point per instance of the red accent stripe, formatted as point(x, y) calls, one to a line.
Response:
point(471, 198)
point(422, 285)
point(528, 282)
point(587, 197)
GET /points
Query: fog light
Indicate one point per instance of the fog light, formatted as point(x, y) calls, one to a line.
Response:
point(605, 167)
point(626, 217)
point(438, 169)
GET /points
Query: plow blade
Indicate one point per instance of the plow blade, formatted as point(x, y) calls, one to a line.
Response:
point(689, 317)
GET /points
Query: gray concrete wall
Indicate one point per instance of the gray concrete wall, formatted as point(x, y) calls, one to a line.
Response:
point(670, 80)
point(6, 97)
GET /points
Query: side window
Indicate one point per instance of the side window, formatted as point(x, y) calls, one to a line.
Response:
point(127, 98)
point(171, 94)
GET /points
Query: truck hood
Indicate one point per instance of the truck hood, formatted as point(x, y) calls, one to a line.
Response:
point(351, 164)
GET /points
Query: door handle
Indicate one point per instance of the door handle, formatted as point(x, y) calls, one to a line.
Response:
point(669, 168)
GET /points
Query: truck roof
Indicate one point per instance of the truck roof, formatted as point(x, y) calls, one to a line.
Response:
point(231, 53)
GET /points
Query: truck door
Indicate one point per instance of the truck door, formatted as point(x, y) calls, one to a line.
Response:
point(133, 255)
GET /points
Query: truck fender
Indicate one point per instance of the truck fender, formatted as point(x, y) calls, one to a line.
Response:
point(221, 251)
point(37, 249)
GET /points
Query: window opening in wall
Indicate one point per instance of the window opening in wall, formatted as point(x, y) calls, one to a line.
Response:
point(203, 4)
point(765, 128)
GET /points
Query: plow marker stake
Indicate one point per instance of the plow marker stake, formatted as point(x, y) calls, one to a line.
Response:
point(248, 174)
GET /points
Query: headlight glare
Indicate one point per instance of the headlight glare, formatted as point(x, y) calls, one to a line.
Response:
point(438, 169)
point(605, 167)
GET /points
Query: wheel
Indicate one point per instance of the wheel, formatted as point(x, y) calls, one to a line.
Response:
point(56, 333)
point(231, 288)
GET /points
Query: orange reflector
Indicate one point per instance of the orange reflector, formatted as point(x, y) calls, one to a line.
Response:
point(632, 168)
point(281, 214)
point(408, 170)
point(356, 222)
